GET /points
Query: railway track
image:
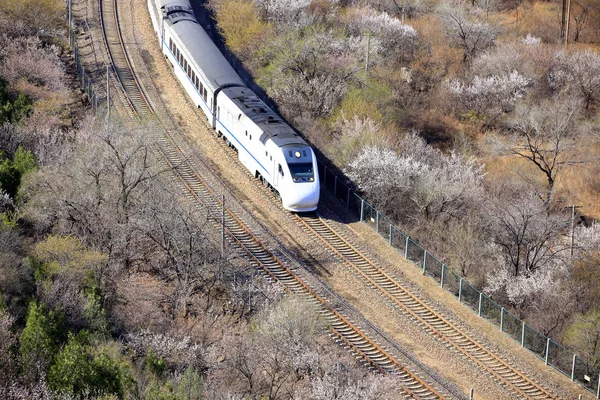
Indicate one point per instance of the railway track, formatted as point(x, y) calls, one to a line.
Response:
point(342, 329)
point(434, 323)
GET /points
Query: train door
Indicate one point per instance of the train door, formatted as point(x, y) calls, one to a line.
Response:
point(279, 175)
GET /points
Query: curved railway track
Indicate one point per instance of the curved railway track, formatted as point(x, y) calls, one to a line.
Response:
point(401, 298)
point(345, 332)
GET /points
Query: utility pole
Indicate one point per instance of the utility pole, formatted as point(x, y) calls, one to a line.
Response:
point(367, 58)
point(69, 19)
point(568, 18)
point(223, 226)
point(573, 207)
point(107, 94)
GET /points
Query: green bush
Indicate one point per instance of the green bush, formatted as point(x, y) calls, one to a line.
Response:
point(39, 342)
point(15, 110)
point(12, 171)
point(78, 372)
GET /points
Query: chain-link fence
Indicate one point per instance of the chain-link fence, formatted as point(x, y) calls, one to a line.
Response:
point(84, 79)
point(551, 352)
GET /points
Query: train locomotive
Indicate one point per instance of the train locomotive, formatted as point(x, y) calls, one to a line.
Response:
point(265, 144)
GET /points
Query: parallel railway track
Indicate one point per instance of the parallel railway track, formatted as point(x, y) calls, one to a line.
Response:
point(342, 329)
point(401, 298)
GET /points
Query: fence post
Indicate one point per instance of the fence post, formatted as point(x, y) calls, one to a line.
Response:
point(348, 198)
point(523, 334)
point(460, 290)
point(335, 186)
point(547, 350)
point(502, 319)
point(472, 394)
point(362, 210)
point(443, 275)
point(598, 391)
point(480, 303)
point(425, 262)
point(69, 22)
point(391, 230)
point(377, 221)
point(406, 248)
point(573, 368)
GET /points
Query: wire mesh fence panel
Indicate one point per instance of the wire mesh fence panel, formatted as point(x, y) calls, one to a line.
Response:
point(321, 170)
point(535, 341)
point(512, 326)
point(560, 358)
point(384, 227)
point(329, 180)
point(470, 295)
point(341, 191)
point(490, 310)
point(433, 267)
point(354, 204)
point(369, 215)
point(398, 240)
point(451, 281)
point(586, 375)
point(415, 253)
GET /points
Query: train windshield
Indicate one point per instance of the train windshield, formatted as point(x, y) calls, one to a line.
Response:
point(302, 172)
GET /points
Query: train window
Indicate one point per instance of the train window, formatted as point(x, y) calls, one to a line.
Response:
point(250, 137)
point(302, 172)
point(246, 133)
point(280, 170)
point(271, 158)
point(239, 117)
point(266, 153)
point(205, 94)
point(171, 44)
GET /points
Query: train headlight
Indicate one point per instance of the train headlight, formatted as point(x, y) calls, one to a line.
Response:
point(297, 154)
point(311, 179)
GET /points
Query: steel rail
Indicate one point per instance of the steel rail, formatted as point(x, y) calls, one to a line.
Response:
point(435, 323)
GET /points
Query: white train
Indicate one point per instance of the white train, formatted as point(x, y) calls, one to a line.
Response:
point(266, 145)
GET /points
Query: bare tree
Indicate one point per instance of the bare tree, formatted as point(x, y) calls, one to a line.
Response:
point(311, 70)
point(97, 190)
point(177, 246)
point(546, 135)
point(533, 247)
point(466, 32)
point(579, 72)
point(581, 20)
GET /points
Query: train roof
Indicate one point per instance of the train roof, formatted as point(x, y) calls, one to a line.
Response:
point(271, 124)
point(198, 45)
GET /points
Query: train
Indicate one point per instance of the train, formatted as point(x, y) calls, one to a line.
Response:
point(266, 145)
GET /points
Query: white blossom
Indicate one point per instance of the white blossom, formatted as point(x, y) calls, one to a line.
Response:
point(530, 40)
point(580, 72)
point(385, 34)
point(283, 11)
point(491, 94)
point(418, 178)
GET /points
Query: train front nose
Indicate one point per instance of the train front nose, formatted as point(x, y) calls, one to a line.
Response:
point(303, 197)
